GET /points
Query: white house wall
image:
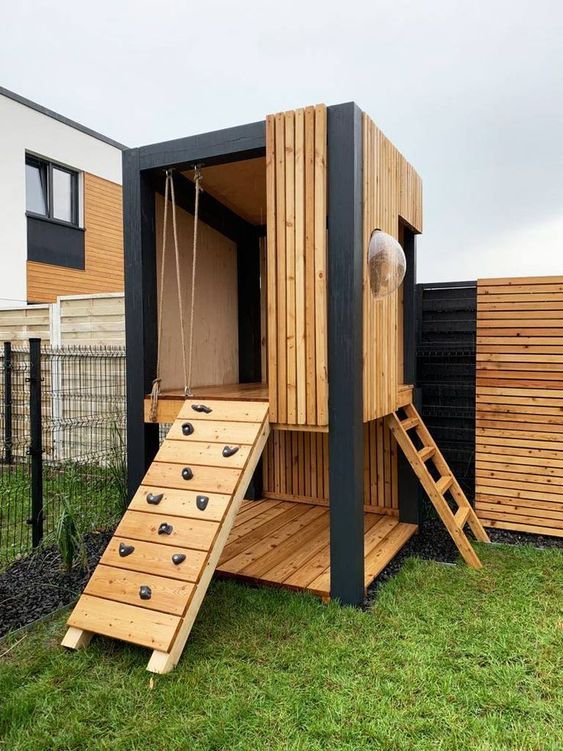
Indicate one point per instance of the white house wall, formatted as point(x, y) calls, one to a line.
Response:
point(24, 129)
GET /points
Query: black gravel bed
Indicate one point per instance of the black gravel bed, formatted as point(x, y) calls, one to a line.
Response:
point(433, 543)
point(506, 537)
point(36, 586)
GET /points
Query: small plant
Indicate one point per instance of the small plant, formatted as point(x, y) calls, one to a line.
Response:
point(69, 541)
point(117, 463)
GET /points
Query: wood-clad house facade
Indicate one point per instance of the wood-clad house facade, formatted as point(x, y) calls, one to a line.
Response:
point(103, 249)
point(284, 314)
point(61, 213)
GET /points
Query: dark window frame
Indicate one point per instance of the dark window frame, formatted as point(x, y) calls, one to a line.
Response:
point(37, 161)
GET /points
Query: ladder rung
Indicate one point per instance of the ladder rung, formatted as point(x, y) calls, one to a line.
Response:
point(426, 453)
point(409, 423)
point(461, 516)
point(444, 483)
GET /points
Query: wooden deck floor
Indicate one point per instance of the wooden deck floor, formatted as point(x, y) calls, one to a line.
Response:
point(286, 544)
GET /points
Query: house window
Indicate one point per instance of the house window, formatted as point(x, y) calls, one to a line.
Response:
point(51, 190)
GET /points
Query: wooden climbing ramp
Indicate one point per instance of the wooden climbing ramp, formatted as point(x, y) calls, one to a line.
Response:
point(437, 479)
point(153, 576)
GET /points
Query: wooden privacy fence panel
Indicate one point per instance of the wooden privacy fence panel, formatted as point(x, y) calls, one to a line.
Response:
point(20, 324)
point(392, 192)
point(296, 467)
point(75, 319)
point(519, 412)
point(296, 145)
point(94, 319)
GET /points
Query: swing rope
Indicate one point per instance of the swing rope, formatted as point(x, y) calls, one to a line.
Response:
point(188, 379)
point(186, 362)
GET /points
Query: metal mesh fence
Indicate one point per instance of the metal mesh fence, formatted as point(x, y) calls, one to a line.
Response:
point(82, 435)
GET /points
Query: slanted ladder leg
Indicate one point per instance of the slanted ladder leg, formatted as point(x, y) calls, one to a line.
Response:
point(76, 638)
point(436, 489)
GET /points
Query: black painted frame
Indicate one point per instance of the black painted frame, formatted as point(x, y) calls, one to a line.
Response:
point(345, 353)
point(409, 491)
point(143, 170)
point(142, 175)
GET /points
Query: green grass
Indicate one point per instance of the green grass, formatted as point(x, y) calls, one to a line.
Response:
point(447, 658)
point(95, 495)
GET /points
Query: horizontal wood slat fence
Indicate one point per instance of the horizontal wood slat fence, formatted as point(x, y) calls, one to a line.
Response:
point(74, 320)
point(519, 404)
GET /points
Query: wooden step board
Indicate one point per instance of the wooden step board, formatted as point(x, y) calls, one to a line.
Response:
point(152, 577)
point(421, 459)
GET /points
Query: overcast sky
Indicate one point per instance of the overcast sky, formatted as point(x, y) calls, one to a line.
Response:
point(471, 92)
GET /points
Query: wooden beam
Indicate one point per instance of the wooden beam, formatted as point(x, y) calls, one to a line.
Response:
point(219, 146)
point(345, 353)
point(140, 314)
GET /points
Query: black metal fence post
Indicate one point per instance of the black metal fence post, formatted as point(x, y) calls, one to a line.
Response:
point(36, 443)
point(8, 437)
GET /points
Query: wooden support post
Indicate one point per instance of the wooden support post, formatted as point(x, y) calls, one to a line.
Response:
point(140, 314)
point(76, 638)
point(408, 485)
point(249, 331)
point(345, 353)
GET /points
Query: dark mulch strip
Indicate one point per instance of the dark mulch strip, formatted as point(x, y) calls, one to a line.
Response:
point(36, 586)
point(433, 543)
point(506, 537)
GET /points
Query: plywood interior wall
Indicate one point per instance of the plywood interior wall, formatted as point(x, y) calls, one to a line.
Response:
point(296, 144)
point(103, 247)
point(519, 411)
point(392, 192)
point(296, 467)
point(215, 354)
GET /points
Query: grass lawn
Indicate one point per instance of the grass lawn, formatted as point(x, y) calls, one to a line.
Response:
point(447, 658)
point(95, 495)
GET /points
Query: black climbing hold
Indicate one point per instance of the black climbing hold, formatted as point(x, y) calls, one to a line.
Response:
point(125, 550)
point(201, 408)
point(153, 499)
point(187, 473)
point(230, 451)
point(201, 502)
point(145, 592)
point(178, 558)
point(187, 428)
point(165, 529)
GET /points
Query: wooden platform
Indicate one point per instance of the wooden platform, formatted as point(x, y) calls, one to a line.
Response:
point(170, 402)
point(286, 544)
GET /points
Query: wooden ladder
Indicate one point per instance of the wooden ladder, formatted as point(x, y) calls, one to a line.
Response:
point(153, 576)
point(436, 490)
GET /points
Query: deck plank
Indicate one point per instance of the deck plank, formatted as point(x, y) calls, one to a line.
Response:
point(287, 544)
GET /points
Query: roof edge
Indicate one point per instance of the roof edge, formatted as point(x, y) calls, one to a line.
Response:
point(61, 118)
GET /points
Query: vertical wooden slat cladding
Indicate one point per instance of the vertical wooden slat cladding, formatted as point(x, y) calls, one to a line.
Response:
point(392, 192)
point(519, 414)
point(296, 467)
point(296, 144)
point(103, 224)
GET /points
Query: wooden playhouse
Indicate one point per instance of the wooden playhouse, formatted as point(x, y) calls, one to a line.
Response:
point(281, 464)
